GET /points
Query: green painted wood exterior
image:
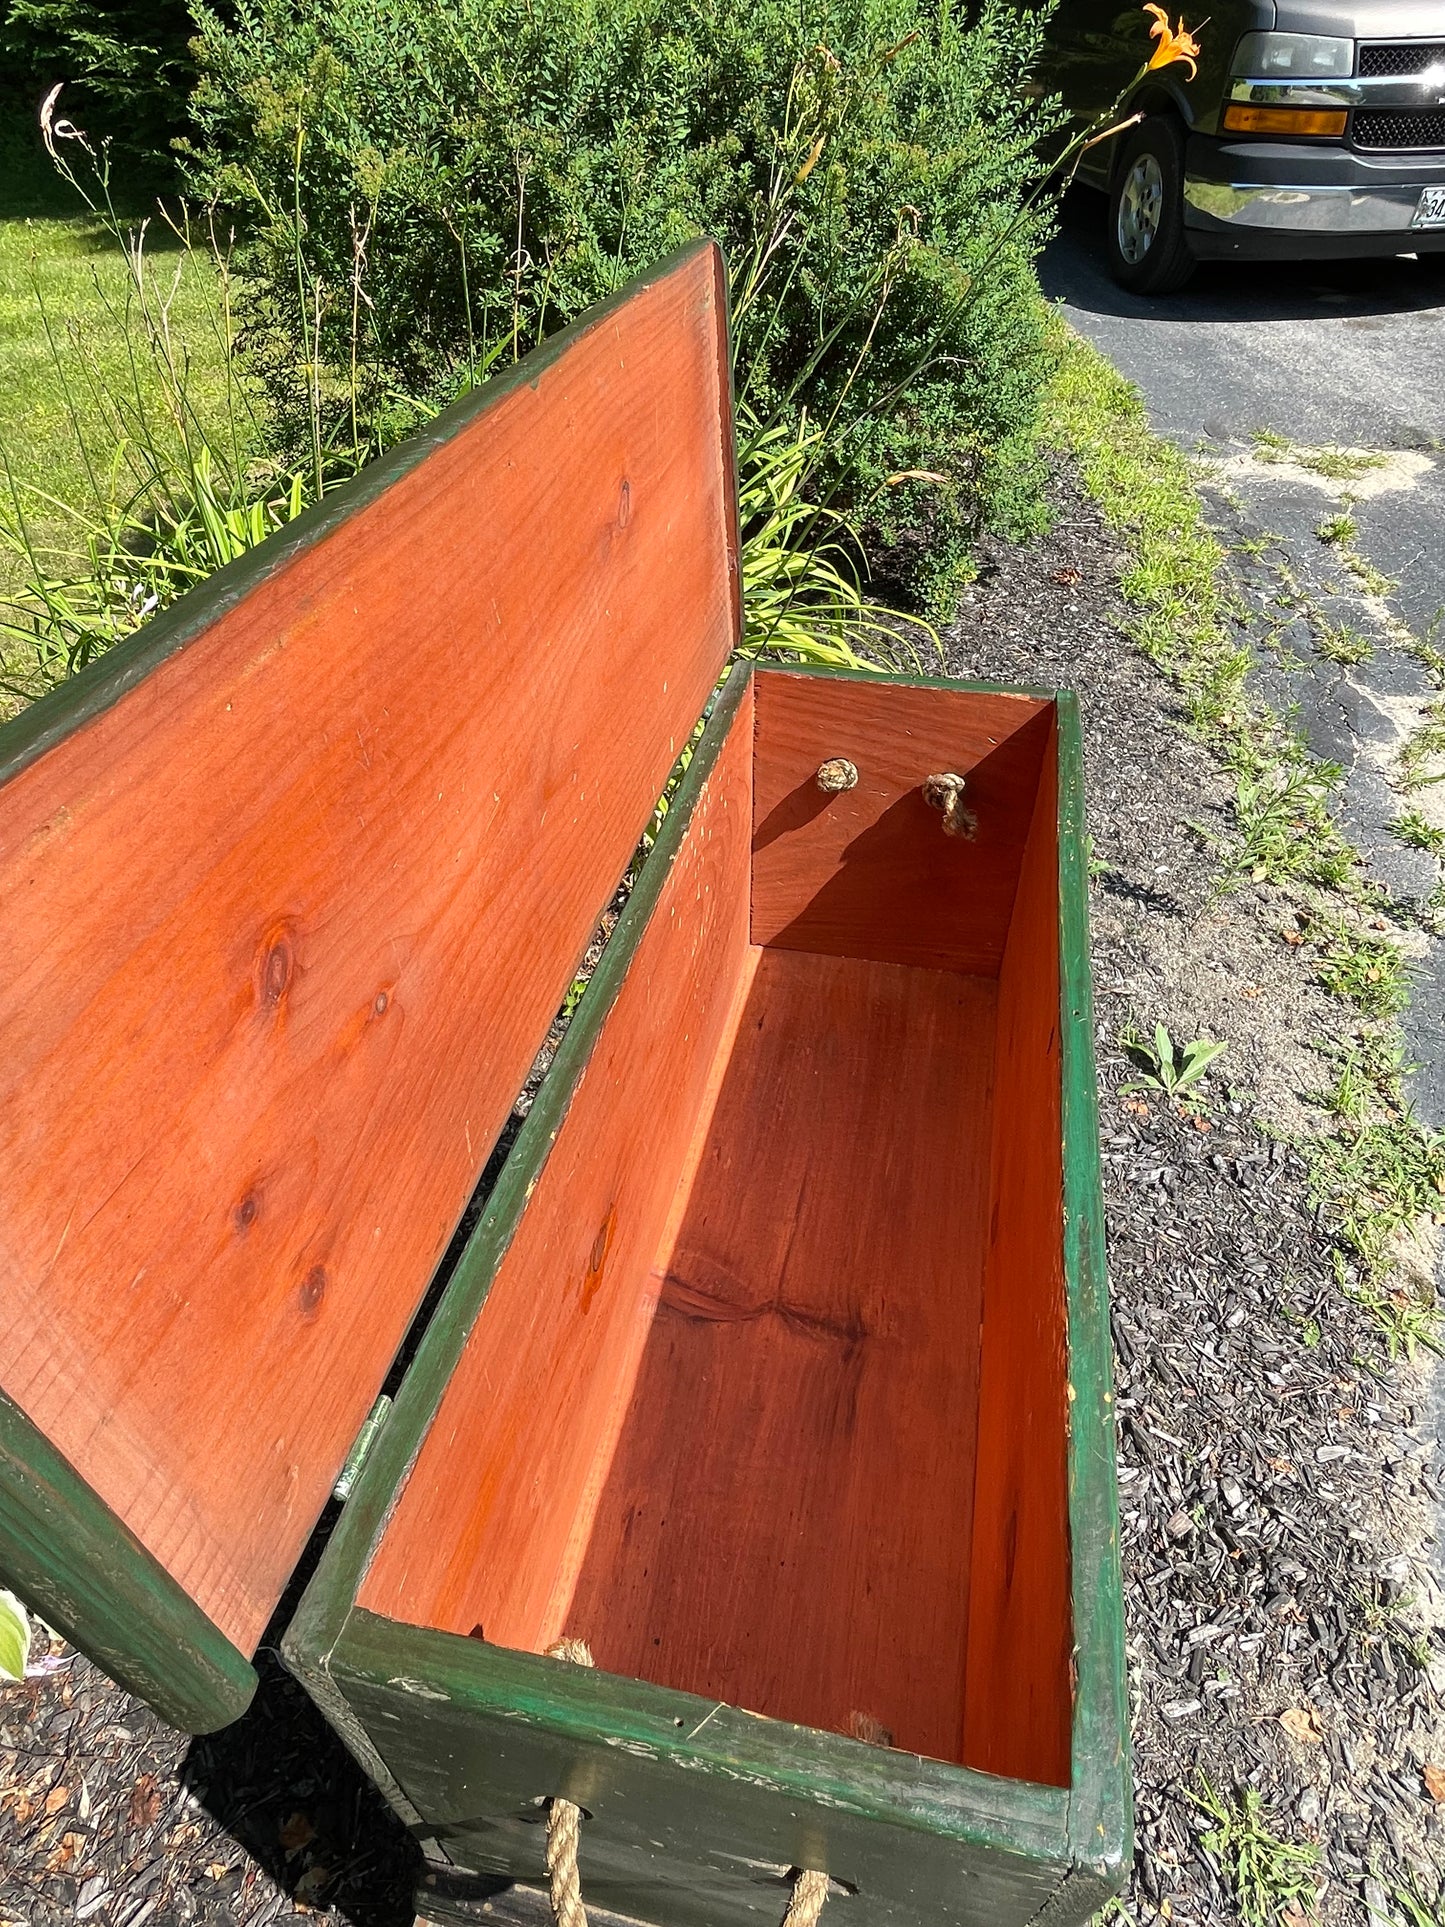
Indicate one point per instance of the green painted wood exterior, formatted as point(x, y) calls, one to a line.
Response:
point(699, 1811)
point(72, 1561)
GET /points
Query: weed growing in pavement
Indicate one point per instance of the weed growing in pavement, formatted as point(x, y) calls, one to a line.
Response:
point(1269, 1877)
point(1257, 546)
point(1338, 528)
point(1425, 745)
point(1340, 641)
point(1333, 463)
point(1372, 580)
point(1165, 1067)
point(1340, 532)
point(1412, 828)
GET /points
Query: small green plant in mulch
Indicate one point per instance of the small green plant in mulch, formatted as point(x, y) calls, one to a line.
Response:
point(1360, 965)
point(1286, 829)
point(1408, 1320)
point(1167, 1067)
point(1268, 1876)
point(1379, 1178)
point(1412, 1909)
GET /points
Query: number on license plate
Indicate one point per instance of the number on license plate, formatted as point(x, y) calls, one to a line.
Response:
point(1430, 208)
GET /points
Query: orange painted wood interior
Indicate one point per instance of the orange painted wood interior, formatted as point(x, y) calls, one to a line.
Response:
point(720, 1415)
point(1020, 1646)
point(866, 873)
point(285, 925)
point(494, 1521)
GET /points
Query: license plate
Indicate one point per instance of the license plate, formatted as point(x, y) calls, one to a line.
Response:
point(1430, 208)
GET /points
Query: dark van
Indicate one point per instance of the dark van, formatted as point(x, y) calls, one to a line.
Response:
point(1314, 129)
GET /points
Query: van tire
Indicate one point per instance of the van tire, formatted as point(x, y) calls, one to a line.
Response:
point(1148, 245)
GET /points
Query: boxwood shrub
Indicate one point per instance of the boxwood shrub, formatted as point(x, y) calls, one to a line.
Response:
point(420, 187)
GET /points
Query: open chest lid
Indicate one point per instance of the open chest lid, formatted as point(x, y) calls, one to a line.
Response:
point(293, 884)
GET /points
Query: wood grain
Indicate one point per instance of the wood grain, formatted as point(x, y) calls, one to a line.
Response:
point(1019, 1699)
point(787, 1522)
point(495, 1517)
point(285, 922)
point(869, 873)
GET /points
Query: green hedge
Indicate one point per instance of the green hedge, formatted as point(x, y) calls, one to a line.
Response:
point(486, 168)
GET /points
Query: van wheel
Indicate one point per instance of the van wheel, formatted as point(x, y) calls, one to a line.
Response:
point(1148, 247)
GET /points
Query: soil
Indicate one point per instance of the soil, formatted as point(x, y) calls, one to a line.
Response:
point(1278, 1488)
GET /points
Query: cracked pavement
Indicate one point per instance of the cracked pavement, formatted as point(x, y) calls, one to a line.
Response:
point(1312, 355)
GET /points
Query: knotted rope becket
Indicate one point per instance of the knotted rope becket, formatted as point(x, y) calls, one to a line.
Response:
point(944, 793)
point(564, 1828)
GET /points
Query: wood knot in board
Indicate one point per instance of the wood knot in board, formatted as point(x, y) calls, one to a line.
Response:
point(944, 792)
point(836, 775)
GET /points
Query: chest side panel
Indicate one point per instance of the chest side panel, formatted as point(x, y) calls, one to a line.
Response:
point(285, 922)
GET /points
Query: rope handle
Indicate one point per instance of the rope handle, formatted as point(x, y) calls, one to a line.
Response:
point(564, 1831)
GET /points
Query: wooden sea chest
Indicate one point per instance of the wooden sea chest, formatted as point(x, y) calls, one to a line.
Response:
point(776, 1366)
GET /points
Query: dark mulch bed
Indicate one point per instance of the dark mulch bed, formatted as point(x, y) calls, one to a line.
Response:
point(1274, 1495)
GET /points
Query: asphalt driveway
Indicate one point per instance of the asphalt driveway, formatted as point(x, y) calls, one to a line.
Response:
point(1320, 352)
point(1256, 369)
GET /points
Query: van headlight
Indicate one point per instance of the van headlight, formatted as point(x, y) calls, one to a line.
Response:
point(1293, 56)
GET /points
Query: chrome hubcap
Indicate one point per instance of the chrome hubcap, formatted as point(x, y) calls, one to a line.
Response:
point(1141, 206)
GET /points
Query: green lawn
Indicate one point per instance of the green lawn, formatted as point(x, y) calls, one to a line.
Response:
point(70, 344)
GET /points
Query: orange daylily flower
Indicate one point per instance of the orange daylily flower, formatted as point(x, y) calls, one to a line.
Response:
point(1176, 43)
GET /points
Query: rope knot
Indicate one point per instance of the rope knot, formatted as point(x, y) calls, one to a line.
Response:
point(944, 792)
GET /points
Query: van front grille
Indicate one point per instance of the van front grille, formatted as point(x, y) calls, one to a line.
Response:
point(1396, 57)
point(1399, 128)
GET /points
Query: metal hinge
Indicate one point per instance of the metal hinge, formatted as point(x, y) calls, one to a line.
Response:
point(356, 1457)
